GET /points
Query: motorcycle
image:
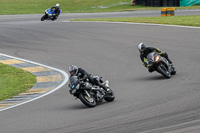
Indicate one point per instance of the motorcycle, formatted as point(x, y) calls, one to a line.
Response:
point(160, 64)
point(90, 94)
point(49, 15)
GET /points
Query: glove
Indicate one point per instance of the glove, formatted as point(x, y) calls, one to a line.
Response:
point(85, 77)
point(69, 85)
point(70, 91)
point(146, 65)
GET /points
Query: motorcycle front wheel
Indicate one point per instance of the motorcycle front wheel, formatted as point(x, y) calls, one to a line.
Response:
point(87, 100)
point(163, 70)
point(43, 18)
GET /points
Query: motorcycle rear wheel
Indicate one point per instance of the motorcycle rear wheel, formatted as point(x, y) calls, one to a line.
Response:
point(174, 71)
point(88, 101)
point(110, 96)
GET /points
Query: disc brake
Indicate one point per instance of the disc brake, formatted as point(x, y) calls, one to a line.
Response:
point(88, 97)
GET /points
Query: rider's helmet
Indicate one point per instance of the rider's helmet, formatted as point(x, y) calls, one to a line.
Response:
point(141, 47)
point(57, 6)
point(73, 70)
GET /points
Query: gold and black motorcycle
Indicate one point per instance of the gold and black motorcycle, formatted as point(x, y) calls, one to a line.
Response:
point(90, 94)
point(160, 64)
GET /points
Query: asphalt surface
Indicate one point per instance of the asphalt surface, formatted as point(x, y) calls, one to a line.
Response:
point(145, 102)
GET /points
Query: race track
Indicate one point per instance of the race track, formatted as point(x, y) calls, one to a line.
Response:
point(145, 103)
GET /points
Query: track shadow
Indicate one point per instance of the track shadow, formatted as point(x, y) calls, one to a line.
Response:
point(80, 106)
point(151, 78)
point(75, 107)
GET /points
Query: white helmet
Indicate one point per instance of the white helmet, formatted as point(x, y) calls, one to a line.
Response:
point(141, 47)
point(58, 5)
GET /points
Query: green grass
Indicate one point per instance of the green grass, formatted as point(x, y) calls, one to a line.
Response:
point(14, 81)
point(69, 6)
point(192, 20)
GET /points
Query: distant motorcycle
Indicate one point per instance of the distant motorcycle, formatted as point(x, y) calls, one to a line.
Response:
point(160, 64)
point(49, 15)
point(90, 94)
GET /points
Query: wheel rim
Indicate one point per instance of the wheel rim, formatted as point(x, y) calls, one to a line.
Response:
point(89, 99)
point(165, 70)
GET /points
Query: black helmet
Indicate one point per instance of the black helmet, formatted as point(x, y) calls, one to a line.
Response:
point(141, 47)
point(73, 70)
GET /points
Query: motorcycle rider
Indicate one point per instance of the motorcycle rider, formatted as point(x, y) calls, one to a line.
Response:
point(144, 51)
point(56, 9)
point(81, 73)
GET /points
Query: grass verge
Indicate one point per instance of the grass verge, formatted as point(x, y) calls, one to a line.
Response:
point(192, 20)
point(14, 81)
point(73, 6)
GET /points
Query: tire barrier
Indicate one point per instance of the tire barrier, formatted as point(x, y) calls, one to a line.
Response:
point(158, 3)
point(163, 12)
point(167, 11)
point(170, 11)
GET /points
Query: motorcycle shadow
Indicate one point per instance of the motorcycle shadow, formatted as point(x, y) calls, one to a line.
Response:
point(150, 78)
point(74, 107)
point(81, 106)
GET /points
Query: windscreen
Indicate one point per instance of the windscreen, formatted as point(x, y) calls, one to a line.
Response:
point(74, 81)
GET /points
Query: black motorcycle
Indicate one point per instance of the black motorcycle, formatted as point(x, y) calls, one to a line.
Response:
point(160, 64)
point(90, 94)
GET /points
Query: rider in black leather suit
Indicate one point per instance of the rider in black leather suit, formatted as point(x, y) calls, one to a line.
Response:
point(81, 73)
point(56, 10)
point(144, 51)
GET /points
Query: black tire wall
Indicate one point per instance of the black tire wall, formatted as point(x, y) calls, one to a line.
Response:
point(158, 3)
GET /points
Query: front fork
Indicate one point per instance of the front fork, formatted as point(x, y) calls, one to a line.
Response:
point(87, 94)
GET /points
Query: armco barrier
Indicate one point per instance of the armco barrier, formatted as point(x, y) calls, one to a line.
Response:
point(167, 11)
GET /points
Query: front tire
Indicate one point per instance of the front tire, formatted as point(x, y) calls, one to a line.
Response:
point(163, 70)
point(110, 96)
point(43, 18)
point(88, 101)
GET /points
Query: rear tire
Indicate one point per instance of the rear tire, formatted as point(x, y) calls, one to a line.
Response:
point(174, 71)
point(110, 96)
point(88, 101)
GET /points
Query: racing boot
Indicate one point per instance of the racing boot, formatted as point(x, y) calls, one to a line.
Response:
point(99, 96)
point(170, 62)
point(102, 85)
point(105, 88)
point(167, 57)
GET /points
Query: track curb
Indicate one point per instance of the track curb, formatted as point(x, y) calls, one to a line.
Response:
point(49, 79)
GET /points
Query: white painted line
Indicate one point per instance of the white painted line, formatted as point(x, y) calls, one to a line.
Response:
point(65, 76)
point(179, 26)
